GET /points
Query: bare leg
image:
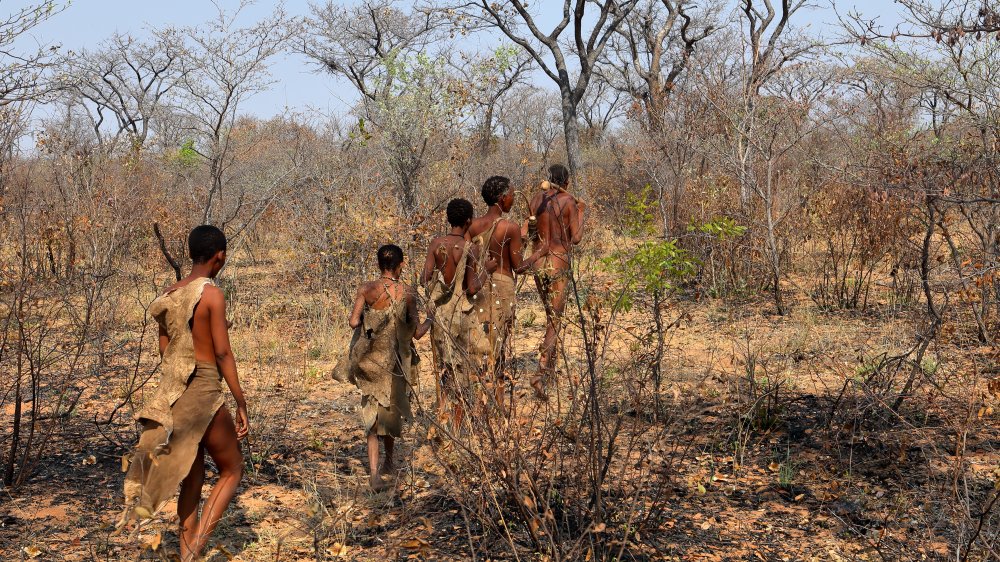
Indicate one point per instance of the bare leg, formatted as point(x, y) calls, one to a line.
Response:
point(498, 389)
point(553, 320)
point(374, 476)
point(187, 504)
point(554, 299)
point(390, 444)
point(505, 354)
point(457, 415)
point(536, 378)
point(450, 402)
point(221, 443)
point(444, 379)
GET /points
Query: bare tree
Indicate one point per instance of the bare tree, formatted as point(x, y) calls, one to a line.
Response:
point(356, 42)
point(760, 136)
point(395, 59)
point(485, 79)
point(947, 53)
point(21, 73)
point(124, 84)
point(21, 79)
point(516, 22)
point(653, 49)
point(224, 66)
point(530, 118)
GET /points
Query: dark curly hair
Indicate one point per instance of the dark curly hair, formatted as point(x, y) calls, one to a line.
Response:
point(204, 242)
point(494, 189)
point(389, 257)
point(559, 175)
point(459, 212)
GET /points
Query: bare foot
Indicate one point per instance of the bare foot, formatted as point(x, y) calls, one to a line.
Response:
point(196, 546)
point(377, 484)
point(539, 391)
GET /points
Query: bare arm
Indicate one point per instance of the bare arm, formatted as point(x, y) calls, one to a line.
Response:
point(164, 340)
point(411, 310)
point(429, 264)
point(216, 303)
point(359, 308)
point(576, 221)
point(578, 232)
point(475, 278)
point(517, 262)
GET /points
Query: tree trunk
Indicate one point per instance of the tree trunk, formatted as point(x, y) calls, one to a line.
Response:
point(658, 357)
point(571, 128)
point(772, 241)
point(486, 133)
point(15, 439)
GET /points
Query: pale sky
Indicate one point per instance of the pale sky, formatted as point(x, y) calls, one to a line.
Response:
point(85, 23)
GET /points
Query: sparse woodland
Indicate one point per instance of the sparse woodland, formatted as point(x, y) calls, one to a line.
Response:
point(780, 342)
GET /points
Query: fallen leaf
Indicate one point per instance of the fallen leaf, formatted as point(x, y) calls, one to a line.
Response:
point(91, 460)
point(337, 550)
point(774, 467)
point(155, 543)
point(32, 551)
point(529, 503)
point(600, 528)
point(414, 544)
point(125, 462)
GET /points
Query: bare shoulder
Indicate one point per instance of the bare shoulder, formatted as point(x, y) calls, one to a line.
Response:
point(367, 287)
point(478, 225)
point(567, 203)
point(212, 292)
point(536, 199)
point(212, 296)
point(473, 248)
point(434, 244)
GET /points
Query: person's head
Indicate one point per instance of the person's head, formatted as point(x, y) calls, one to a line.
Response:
point(207, 246)
point(559, 175)
point(496, 191)
point(390, 259)
point(460, 213)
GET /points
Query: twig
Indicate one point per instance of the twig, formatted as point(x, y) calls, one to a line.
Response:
point(166, 253)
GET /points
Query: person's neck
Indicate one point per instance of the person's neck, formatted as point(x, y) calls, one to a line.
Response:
point(201, 270)
point(494, 212)
point(457, 231)
point(390, 276)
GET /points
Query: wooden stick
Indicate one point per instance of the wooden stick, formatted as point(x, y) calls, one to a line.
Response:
point(166, 253)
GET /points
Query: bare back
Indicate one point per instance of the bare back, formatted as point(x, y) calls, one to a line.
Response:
point(559, 224)
point(444, 254)
point(504, 246)
point(381, 293)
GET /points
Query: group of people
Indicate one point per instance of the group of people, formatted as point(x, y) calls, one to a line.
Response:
point(469, 281)
point(469, 286)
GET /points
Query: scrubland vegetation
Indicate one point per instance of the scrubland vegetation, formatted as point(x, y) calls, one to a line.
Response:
point(780, 343)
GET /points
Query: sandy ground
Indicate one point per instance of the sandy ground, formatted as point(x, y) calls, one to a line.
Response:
point(790, 493)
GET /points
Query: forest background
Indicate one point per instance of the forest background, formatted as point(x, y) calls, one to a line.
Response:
point(781, 334)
